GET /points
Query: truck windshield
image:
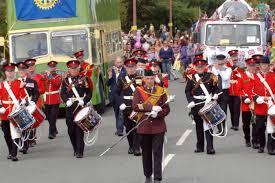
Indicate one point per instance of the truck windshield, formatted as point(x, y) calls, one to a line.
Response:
point(69, 42)
point(233, 35)
point(29, 45)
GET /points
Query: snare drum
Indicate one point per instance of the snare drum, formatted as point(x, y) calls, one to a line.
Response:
point(87, 119)
point(37, 114)
point(212, 113)
point(21, 118)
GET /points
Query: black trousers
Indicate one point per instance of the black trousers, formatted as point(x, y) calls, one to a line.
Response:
point(133, 138)
point(152, 152)
point(76, 135)
point(247, 122)
point(260, 129)
point(235, 110)
point(200, 134)
point(7, 135)
point(52, 114)
point(223, 101)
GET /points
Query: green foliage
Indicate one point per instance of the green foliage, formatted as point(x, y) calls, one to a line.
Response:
point(3, 24)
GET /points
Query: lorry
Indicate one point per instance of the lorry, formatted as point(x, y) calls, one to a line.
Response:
point(223, 32)
point(95, 28)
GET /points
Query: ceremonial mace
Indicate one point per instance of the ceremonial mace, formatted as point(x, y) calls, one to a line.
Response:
point(170, 99)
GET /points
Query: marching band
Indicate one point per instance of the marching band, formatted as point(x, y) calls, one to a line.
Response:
point(142, 97)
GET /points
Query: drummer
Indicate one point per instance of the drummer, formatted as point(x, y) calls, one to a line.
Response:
point(195, 93)
point(12, 93)
point(32, 91)
point(264, 89)
point(75, 93)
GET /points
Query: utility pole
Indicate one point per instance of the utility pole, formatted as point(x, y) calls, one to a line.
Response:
point(170, 25)
point(134, 27)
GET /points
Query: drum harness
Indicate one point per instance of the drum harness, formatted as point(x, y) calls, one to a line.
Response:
point(207, 95)
point(14, 130)
point(269, 103)
point(88, 141)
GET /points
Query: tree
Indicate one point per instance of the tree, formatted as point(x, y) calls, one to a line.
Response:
point(3, 23)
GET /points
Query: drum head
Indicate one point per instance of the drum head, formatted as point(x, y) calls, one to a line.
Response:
point(82, 114)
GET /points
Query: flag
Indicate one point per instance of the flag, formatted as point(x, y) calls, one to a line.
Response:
point(42, 9)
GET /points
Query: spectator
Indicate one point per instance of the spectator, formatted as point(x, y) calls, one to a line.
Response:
point(166, 56)
point(184, 57)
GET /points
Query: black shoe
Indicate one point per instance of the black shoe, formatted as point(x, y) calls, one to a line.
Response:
point(236, 128)
point(130, 151)
point(211, 151)
point(248, 144)
point(24, 151)
point(137, 153)
point(9, 156)
point(271, 152)
point(232, 127)
point(120, 134)
point(148, 180)
point(14, 158)
point(255, 145)
point(198, 151)
point(51, 136)
point(79, 156)
point(261, 150)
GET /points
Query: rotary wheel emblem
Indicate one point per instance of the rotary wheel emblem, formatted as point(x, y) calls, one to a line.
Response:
point(45, 4)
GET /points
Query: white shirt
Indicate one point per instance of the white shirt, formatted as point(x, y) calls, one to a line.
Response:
point(225, 75)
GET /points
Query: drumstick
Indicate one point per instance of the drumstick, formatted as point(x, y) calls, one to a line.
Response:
point(205, 101)
point(170, 99)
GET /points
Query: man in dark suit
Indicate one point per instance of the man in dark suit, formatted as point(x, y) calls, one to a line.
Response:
point(32, 91)
point(115, 73)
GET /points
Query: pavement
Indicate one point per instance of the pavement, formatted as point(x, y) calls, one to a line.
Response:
point(52, 160)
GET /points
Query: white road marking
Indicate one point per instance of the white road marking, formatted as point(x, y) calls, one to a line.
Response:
point(183, 137)
point(167, 159)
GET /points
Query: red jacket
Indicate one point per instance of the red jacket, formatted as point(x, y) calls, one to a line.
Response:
point(52, 93)
point(86, 69)
point(152, 125)
point(235, 82)
point(18, 90)
point(260, 90)
point(247, 85)
point(41, 87)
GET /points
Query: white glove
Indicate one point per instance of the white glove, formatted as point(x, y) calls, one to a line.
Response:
point(157, 108)
point(191, 105)
point(157, 80)
point(247, 101)
point(81, 102)
point(154, 114)
point(122, 107)
point(69, 103)
point(215, 97)
point(2, 110)
point(31, 102)
point(23, 102)
point(260, 100)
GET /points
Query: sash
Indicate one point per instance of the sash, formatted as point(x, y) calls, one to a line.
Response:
point(266, 86)
point(128, 80)
point(205, 91)
point(11, 94)
point(74, 89)
point(151, 98)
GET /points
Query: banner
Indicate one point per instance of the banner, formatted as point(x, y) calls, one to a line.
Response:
point(41, 9)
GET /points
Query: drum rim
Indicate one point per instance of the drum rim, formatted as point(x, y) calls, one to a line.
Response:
point(84, 117)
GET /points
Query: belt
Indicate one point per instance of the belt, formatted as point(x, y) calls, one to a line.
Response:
point(128, 97)
point(7, 102)
point(52, 92)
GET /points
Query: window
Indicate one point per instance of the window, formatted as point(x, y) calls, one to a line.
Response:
point(29, 45)
point(233, 35)
point(113, 42)
point(69, 42)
